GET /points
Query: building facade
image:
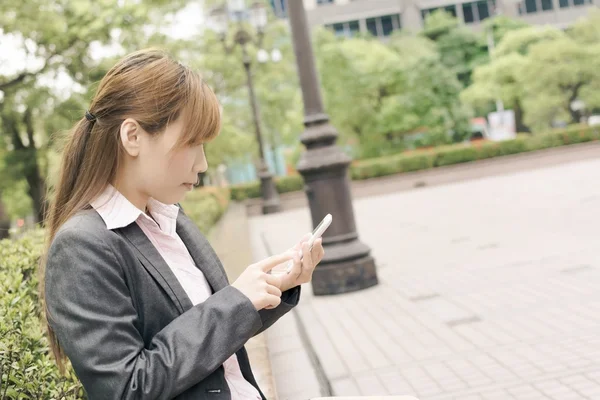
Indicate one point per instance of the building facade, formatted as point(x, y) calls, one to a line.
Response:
point(382, 17)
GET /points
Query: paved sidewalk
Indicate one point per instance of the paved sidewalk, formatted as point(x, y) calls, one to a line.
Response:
point(489, 290)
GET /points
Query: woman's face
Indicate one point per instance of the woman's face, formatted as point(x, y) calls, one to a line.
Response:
point(160, 171)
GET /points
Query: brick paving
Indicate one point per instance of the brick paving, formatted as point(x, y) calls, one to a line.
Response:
point(489, 289)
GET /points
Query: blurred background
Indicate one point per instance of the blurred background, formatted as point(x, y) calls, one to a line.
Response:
point(470, 131)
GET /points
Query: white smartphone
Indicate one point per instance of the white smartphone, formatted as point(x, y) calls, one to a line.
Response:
point(317, 233)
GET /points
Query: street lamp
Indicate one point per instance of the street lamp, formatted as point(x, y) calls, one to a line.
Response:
point(347, 265)
point(222, 17)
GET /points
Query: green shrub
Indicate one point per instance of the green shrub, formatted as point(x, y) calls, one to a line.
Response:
point(365, 169)
point(206, 205)
point(514, 146)
point(290, 183)
point(27, 368)
point(409, 163)
point(455, 154)
point(251, 190)
point(245, 191)
point(579, 134)
point(544, 141)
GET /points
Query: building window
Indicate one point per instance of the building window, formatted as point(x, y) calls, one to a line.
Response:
point(319, 2)
point(477, 11)
point(483, 10)
point(578, 2)
point(279, 8)
point(563, 3)
point(372, 26)
point(547, 5)
point(468, 14)
point(384, 25)
point(530, 6)
point(449, 9)
point(345, 29)
point(387, 26)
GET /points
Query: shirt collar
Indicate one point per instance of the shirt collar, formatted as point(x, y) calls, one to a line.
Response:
point(118, 212)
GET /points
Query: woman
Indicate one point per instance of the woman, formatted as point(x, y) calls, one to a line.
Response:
point(135, 296)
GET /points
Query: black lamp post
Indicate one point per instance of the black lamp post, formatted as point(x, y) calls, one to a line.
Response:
point(222, 17)
point(348, 265)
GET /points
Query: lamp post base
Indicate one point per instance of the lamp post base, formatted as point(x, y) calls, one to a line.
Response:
point(270, 197)
point(344, 276)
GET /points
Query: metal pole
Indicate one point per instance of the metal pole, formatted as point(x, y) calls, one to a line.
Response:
point(269, 193)
point(348, 265)
point(253, 103)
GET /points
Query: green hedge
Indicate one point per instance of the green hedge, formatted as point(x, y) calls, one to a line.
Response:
point(206, 205)
point(27, 368)
point(251, 190)
point(466, 152)
point(438, 157)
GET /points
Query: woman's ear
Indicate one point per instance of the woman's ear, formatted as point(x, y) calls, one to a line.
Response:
point(130, 134)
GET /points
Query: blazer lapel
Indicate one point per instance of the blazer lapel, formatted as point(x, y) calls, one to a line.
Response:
point(157, 266)
point(201, 251)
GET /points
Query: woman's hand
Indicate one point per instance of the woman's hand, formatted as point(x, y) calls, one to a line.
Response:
point(302, 271)
point(259, 286)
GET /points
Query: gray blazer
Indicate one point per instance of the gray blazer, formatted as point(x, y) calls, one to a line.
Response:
point(127, 325)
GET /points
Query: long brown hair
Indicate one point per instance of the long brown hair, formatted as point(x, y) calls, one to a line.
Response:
point(149, 87)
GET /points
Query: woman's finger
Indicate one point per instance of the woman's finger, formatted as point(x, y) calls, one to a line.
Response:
point(269, 263)
point(274, 280)
point(274, 290)
point(307, 262)
point(298, 246)
point(273, 300)
point(317, 251)
point(296, 270)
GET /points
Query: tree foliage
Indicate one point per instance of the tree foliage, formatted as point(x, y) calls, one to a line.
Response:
point(540, 71)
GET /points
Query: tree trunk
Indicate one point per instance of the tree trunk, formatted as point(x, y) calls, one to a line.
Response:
point(37, 186)
point(4, 222)
point(519, 124)
point(575, 115)
point(37, 191)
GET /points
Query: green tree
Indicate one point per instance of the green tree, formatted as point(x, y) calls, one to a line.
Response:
point(275, 85)
point(432, 91)
point(503, 77)
point(59, 39)
point(586, 32)
point(556, 74)
point(358, 76)
point(377, 93)
point(461, 49)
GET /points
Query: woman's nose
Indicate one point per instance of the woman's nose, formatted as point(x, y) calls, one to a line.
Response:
point(201, 164)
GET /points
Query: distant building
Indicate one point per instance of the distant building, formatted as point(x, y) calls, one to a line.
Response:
point(382, 17)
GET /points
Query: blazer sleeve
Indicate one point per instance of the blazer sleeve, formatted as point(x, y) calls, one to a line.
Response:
point(289, 300)
point(91, 311)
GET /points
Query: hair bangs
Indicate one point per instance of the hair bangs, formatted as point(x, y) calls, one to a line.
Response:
point(201, 112)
